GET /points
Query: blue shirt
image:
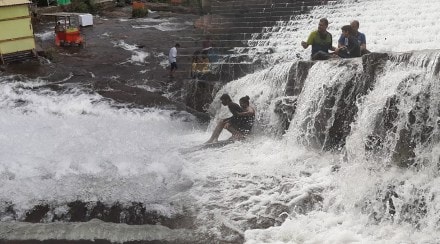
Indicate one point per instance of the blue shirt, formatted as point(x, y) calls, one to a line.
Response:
point(360, 37)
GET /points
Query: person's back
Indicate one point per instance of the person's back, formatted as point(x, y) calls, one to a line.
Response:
point(360, 37)
point(246, 123)
point(234, 109)
point(247, 117)
point(172, 58)
point(172, 55)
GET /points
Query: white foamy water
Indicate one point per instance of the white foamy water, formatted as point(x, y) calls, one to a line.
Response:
point(389, 26)
point(45, 35)
point(167, 24)
point(137, 57)
point(61, 147)
point(262, 87)
point(369, 199)
point(368, 187)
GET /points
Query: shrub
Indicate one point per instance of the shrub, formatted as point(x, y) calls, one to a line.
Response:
point(83, 6)
point(139, 13)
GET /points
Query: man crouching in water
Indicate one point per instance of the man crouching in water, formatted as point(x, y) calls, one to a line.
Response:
point(241, 122)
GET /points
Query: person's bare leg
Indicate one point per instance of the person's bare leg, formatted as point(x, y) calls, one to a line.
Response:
point(236, 134)
point(216, 133)
point(171, 72)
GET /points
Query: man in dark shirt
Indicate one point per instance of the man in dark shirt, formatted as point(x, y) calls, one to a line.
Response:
point(358, 35)
point(226, 123)
point(321, 41)
point(351, 48)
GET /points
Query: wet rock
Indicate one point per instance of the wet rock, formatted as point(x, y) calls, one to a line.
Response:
point(95, 231)
point(134, 213)
point(200, 93)
point(335, 168)
point(386, 204)
point(285, 106)
point(124, 93)
point(297, 76)
point(305, 173)
point(77, 211)
point(37, 214)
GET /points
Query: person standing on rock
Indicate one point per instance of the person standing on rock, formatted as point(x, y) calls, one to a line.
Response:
point(321, 41)
point(172, 58)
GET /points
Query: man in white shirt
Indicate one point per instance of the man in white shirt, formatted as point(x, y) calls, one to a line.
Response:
point(172, 58)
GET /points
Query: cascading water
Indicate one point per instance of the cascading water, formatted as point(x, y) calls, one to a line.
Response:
point(318, 103)
point(264, 87)
point(380, 112)
point(389, 25)
point(358, 161)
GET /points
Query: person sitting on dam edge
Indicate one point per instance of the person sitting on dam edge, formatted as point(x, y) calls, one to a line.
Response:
point(358, 35)
point(350, 48)
point(321, 41)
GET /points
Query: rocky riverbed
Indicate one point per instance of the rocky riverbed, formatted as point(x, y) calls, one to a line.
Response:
point(124, 59)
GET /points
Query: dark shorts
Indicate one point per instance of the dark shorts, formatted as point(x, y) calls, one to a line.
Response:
point(321, 55)
point(173, 65)
point(244, 125)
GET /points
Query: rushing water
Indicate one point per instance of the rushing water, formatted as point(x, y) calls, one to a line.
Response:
point(60, 147)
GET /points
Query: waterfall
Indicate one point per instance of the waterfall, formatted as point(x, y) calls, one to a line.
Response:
point(263, 88)
point(389, 25)
point(344, 150)
point(380, 114)
point(318, 103)
point(399, 117)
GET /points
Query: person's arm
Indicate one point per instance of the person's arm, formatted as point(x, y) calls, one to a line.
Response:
point(304, 44)
point(235, 109)
point(332, 48)
point(308, 42)
point(173, 53)
point(249, 112)
point(341, 41)
point(363, 42)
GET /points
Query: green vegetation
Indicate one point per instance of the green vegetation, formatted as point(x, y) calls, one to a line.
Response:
point(139, 13)
point(83, 6)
